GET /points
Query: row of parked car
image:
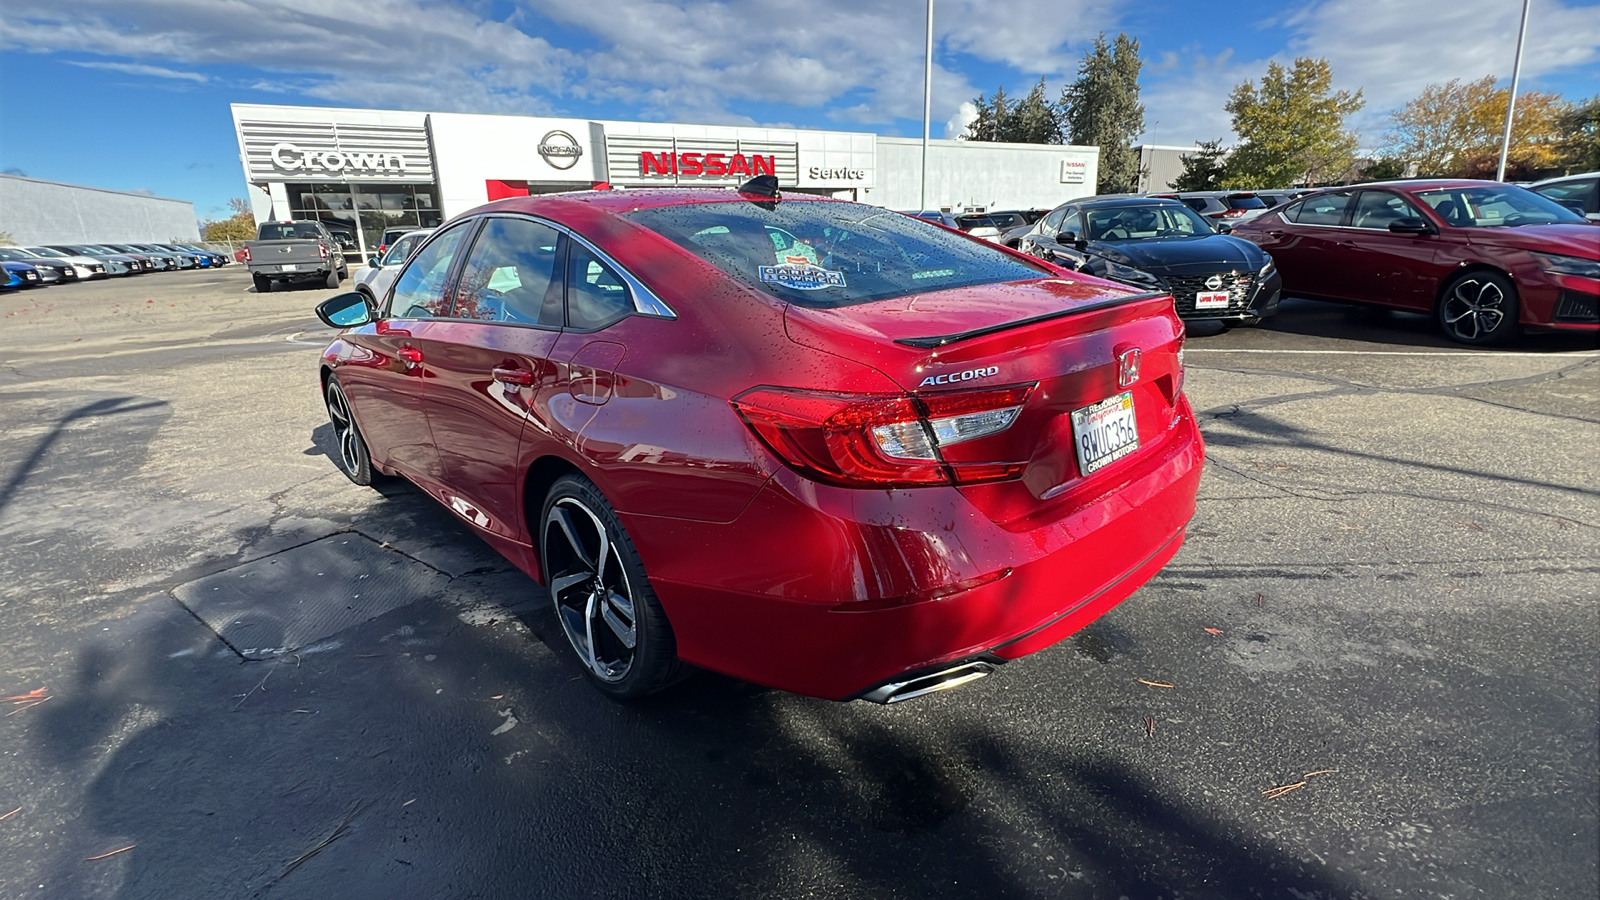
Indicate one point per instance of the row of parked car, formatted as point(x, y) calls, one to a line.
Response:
point(1486, 259)
point(25, 267)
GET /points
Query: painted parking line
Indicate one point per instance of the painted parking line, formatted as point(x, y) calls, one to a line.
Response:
point(1473, 353)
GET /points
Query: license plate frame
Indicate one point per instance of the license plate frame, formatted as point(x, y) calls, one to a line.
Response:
point(1211, 300)
point(1105, 432)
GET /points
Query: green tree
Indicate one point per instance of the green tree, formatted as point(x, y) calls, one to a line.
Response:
point(1384, 168)
point(1580, 148)
point(1102, 109)
point(1034, 120)
point(241, 226)
point(1204, 169)
point(1291, 128)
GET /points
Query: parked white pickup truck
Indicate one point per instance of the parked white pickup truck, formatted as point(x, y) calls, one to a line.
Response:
point(295, 251)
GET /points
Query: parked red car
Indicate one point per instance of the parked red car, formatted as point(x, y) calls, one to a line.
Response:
point(1484, 258)
point(812, 444)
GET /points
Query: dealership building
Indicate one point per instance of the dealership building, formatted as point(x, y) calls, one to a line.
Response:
point(363, 170)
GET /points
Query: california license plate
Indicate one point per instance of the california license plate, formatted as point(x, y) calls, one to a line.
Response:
point(288, 268)
point(1105, 432)
point(1211, 300)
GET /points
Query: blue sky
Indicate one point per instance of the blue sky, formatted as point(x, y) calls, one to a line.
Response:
point(134, 94)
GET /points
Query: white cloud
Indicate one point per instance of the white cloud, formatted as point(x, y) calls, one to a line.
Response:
point(152, 71)
point(408, 52)
point(966, 114)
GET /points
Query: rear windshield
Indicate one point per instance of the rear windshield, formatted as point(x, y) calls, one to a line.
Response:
point(286, 231)
point(827, 255)
point(1249, 202)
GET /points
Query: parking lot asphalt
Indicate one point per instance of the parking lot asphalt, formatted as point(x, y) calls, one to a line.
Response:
point(1371, 672)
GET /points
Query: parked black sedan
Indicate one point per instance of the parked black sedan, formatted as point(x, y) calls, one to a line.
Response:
point(1161, 245)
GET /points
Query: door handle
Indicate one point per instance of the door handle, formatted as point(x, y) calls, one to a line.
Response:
point(410, 354)
point(1275, 234)
point(518, 377)
point(1348, 245)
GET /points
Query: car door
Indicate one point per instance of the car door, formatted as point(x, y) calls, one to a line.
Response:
point(387, 378)
point(1384, 267)
point(1303, 240)
point(490, 368)
point(1048, 244)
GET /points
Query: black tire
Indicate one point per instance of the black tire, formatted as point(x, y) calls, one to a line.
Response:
point(263, 284)
point(333, 279)
point(578, 567)
point(1479, 308)
point(355, 461)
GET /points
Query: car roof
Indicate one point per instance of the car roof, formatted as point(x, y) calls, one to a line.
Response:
point(1122, 202)
point(623, 201)
point(1559, 178)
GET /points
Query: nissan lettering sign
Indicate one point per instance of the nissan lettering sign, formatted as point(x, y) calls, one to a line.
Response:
point(560, 149)
point(1074, 171)
point(290, 158)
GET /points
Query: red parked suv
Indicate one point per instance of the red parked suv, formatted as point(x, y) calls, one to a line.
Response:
point(1485, 258)
point(812, 444)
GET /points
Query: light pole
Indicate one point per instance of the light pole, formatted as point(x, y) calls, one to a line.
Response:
point(1511, 102)
point(927, 109)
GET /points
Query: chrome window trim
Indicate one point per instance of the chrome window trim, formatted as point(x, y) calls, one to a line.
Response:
point(645, 301)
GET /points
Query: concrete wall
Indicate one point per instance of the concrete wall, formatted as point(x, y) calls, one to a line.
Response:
point(46, 212)
point(976, 174)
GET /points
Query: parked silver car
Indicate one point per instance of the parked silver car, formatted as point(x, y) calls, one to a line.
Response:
point(374, 278)
point(1579, 193)
point(85, 267)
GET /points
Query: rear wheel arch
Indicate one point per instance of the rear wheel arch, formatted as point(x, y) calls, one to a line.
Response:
point(543, 473)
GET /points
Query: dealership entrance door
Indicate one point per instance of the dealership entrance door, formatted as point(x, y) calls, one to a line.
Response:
point(358, 214)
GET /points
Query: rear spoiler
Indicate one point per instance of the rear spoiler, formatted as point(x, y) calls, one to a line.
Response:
point(929, 343)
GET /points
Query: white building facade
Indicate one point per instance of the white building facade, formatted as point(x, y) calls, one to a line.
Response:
point(361, 171)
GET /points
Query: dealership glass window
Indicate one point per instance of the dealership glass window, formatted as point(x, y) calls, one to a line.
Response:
point(367, 208)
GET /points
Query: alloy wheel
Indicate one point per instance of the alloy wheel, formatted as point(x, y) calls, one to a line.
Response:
point(593, 597)
point(1474, 308)
point(344, 429)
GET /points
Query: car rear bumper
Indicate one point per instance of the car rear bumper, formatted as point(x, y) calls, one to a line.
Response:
point(835, 593)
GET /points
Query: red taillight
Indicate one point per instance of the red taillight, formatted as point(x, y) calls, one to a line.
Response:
point(1232, 213)
point(322, 249)
point(247, 254)
point(882, 440)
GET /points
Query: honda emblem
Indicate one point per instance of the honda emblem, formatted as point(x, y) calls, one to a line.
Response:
point(1128, 367)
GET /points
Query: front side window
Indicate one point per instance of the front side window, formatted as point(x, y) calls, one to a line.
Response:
point(419, 292)
point(1376, 209)
point(1323, 209)
point(829, 254)
point(511, 275)
point(400, 250)
point(1072, 222)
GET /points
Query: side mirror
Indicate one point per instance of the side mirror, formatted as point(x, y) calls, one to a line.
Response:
point(1070, 237)
point(1224, 228)
point(1410, 225)
point(373, 262)
point(346, 310)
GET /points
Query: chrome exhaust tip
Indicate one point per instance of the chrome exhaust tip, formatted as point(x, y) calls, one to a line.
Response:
point(923, 685)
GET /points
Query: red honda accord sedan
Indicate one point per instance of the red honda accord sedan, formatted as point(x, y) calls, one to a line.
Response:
point(812, 444)
point(1484, 258)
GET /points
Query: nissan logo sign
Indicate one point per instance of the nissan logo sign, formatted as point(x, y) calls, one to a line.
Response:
point(1214, 282)
point(560, 150)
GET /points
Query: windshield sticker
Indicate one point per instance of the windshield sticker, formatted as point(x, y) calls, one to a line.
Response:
point(801, 274)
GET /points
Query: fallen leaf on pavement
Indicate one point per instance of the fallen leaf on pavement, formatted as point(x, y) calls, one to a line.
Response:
point(112, 853)
point(1159, 684)
point(1213, 631)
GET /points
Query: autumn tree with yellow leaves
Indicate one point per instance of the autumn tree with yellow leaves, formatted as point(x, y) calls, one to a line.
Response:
point(1453, 129)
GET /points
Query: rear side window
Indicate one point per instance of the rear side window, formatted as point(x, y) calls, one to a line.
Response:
point(830, 254)
point(1324, 209)
point(511, 275)
point(596, 294)
point(419, 291)
point(1198, 204)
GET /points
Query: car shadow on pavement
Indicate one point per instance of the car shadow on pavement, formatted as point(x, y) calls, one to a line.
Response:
point(1378, 325)
point(419, 754)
